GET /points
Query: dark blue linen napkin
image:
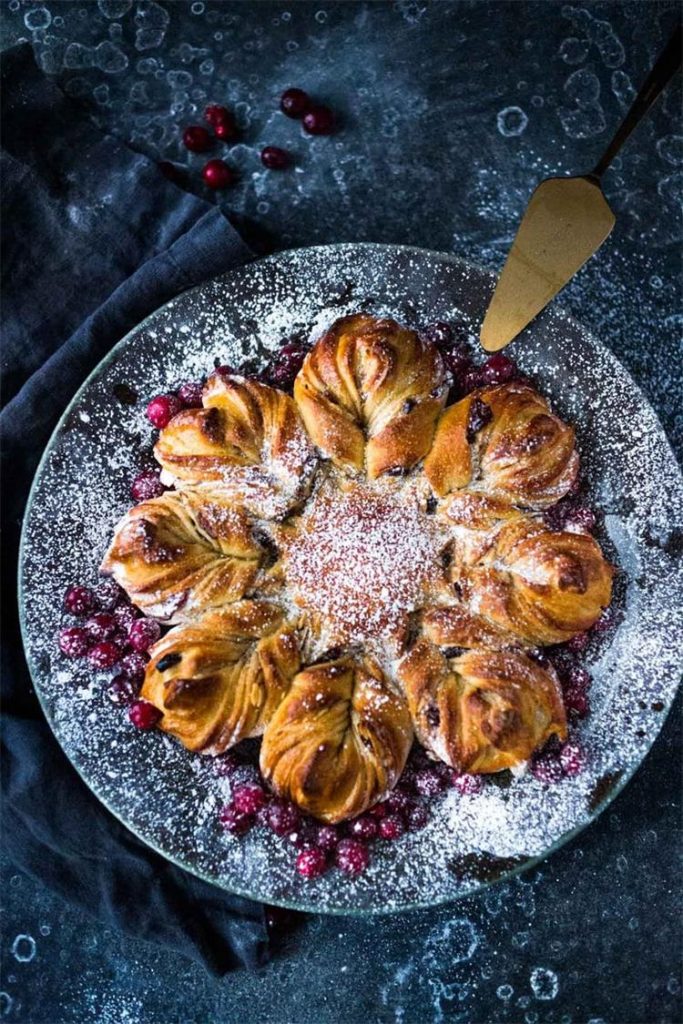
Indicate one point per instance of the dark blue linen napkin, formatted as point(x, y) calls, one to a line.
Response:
point(94, 239)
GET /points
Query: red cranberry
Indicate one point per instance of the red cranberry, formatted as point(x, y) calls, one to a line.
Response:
point(226, 765)
point(79, 600)
point(472, 379)
point(428, 782)
point(497, 369)
point(146, 486)
point(480, 415)
point(162, 409)
point(352, 857)
point(214, 114)
point(546, 768)
point(274, 158)
point(121, 690)
point(144, 715)
point(196, 139)
point(104, 655)
point(578, 643)
point(224, 371)
point(143, 633)
point(226, 130)
point(581, 518)
point(311, 863)
point(282, 817)
point(108, 594)
point(134, 665)
point(576, 702)
point(248, 798)
point(391, 827)
point(74, 642)
point(319, 120)
point(101, 626)
point(190, 394)
point(572, 760)
point(379, 811)
point(327, 838)
point(439, 333)
point(416, 817)
point(217, 174)
point(604, 622)
point(468, 785)
point(234, 820)
point(125, 615)
point(397, 802)
point(294, 102)
point(364, 827)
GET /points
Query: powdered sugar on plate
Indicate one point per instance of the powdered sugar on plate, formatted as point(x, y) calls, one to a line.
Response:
point(170, 797)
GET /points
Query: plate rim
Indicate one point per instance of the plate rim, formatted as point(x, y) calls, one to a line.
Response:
point(311, 906)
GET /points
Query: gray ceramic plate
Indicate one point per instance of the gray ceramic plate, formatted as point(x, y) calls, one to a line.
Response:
point(170, 798)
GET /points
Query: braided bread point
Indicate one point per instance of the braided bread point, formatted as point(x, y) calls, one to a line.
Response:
point(177, 559)
point(541, 586)
point(339, 740)
point(370, 393)
point(482, 711)
point(504, 441)
point(246, 445)
point(218, 681)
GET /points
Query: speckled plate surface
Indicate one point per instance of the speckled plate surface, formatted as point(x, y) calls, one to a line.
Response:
point(169, 797)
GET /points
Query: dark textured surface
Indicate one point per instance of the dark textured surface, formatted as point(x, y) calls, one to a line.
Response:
point(422, 157)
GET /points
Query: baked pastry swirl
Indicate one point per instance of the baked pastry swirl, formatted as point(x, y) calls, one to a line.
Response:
point(358, 566)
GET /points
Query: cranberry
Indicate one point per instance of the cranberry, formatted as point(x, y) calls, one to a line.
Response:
point(282, 817)
point(108, 594)
point(391, 827)
point(217, 174)
point(226, 130)
point(379, 811)
point(352, 857)
point(147, 485)
point(546, 768)
point(578, 678)
point(285, 368)
point(604, 622)
point(125, 615)
point(439, 333)
point(457, 362)
point(311, 863)
point(416, 817)
point(74, 642)
point(224, 371)
point(104, 654)
point(162, 409)
point(397, 802)
point(468, 785)
point(294, 102)
point(327, 838)
point(274, 158)
point(428, 782)
point(234, 820)
point(226, 765)
point(190, 394)
point(581, 518)
point(577, 644)
point(572, 760)
point(364, 827)
point(143, 633)
point(319, 120)
point(101, 626)
point(196, 139)
point(121, 690)
point(134, 666)
point(248, 798)
point(214, 114)
point(576, 702)
point(479, 415)
point(497, 369)
point(79, 600)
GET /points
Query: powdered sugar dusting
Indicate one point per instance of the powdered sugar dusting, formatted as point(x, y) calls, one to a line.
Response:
point(169, 796)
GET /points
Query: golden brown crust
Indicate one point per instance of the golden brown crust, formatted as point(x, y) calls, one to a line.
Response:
point(338, 741)
point(177, 559)
point(370, 393)
point(247, 445)
point(482, 711)
point(219, 681)
point(523, 454)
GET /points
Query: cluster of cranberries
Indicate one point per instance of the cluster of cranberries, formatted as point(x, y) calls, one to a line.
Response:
point(112, 634)
point(217, 174)
point(346, 846)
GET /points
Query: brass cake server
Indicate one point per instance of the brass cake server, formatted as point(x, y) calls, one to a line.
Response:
point(566, 221)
